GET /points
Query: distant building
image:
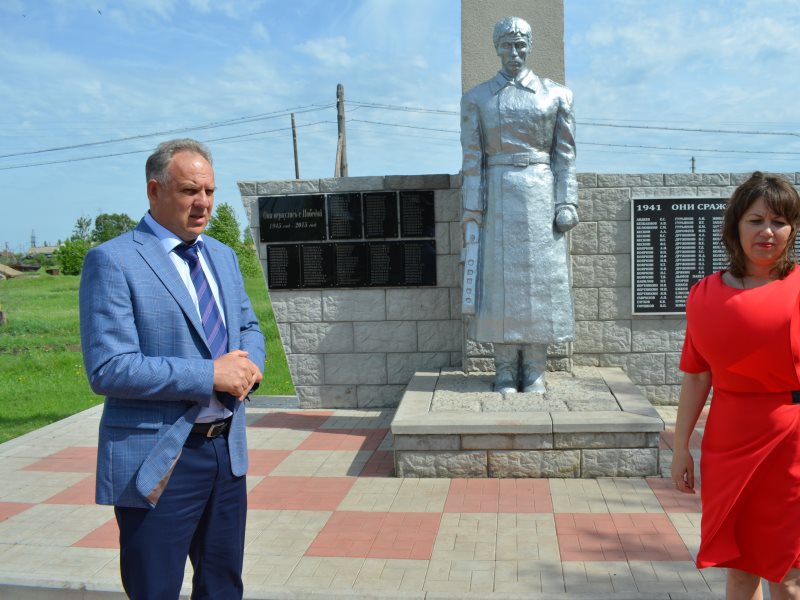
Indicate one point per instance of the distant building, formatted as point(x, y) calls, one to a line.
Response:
point(46, 251)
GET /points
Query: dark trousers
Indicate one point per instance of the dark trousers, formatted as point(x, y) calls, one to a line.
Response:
point(201, 514)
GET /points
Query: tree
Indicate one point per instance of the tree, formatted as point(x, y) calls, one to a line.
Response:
point(110, 225)
point(70, 255)
point(225, 227)
point(82, 229)
point(248, 257)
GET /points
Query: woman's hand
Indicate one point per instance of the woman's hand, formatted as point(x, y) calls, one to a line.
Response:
point(683, 470)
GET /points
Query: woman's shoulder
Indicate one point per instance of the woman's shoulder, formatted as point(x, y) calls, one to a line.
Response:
point(708, 288)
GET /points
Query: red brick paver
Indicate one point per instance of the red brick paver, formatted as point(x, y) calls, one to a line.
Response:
point(76, 459)
point(499, 495)
point(78, 493)
point(299, 493)
point(344, 439)
point(604, 537)
point(673, 501)
point(105, 536)
point(263, 462)
point(307, 420)
point(377, 535)
point(9, 509)
point(380, 464)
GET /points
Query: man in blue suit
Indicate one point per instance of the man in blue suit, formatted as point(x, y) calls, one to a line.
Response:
point(170, 339)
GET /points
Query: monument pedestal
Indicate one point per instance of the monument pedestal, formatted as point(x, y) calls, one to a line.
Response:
point(590, 423)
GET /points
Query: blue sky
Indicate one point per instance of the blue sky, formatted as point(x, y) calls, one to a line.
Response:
point(78, 72)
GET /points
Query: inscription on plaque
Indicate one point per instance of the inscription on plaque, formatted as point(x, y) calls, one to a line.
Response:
point(349, 239)
point(380, 215)
point(344, 216)
point(675, 244)
point(291, 218)
point(351, 264)
point(416, 214)
point(317, 265)
point(283, 266)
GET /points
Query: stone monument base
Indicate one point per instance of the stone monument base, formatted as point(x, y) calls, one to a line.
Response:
point(590, 423)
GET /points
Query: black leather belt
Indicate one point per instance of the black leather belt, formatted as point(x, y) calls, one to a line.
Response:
point(213, 429)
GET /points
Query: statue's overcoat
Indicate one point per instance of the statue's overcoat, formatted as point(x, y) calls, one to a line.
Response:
point(518, 141)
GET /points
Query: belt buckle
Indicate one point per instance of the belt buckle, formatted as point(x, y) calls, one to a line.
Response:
point(216, 429)
point(520, 159)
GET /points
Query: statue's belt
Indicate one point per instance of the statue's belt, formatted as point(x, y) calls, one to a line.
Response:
point(518, 159)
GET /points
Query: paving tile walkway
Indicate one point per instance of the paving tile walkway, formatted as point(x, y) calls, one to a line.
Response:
point(327, 519)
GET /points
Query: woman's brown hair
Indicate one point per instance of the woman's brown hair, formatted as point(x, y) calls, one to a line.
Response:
point(781, 198)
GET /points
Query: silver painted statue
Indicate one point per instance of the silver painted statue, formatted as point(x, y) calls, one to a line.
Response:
point(520, 196)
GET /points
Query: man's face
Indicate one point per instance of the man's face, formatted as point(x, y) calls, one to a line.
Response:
point(184, 204)
point(513, 50)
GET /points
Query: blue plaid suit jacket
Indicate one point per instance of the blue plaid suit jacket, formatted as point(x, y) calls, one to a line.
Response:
point(145, 351)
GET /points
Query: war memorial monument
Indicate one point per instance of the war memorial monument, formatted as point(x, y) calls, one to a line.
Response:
point(522, 317)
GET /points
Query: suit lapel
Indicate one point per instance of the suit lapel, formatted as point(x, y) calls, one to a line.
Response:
point(153, 254)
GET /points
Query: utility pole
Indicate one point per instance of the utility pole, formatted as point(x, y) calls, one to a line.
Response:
point(693, 164)
point(340, 170)
point(294, 143)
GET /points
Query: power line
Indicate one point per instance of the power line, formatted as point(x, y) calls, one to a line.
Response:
point(591, 123)
point(402, 125)
point(212, 125)
point(695, 130)
point(83, 158)
point(689, 149)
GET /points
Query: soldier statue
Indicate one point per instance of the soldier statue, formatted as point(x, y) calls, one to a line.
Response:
point(520, 196)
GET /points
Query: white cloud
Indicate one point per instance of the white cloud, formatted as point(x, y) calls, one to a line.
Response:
point(329, 52)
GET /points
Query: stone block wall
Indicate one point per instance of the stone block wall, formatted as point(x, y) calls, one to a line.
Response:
point(647, 347)
point(360, 347)
point(349, 348)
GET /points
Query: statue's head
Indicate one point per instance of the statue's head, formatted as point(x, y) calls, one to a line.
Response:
point(513, 40)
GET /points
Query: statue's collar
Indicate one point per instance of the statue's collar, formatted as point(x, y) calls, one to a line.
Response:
point(526, 80)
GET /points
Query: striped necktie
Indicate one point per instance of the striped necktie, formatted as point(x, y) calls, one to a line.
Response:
point(213, 325)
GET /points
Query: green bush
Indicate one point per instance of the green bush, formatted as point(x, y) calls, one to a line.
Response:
point(70, 256)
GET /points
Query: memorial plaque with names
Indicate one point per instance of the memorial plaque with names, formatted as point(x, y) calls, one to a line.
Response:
point(344, 216)
point(317, 265)
point(419, 262)
point(380, 214)
point(283, 266)
point(676, 242)
point(385, 264)
point(349, 239)
point(291, 218)
point(416, 214)
point(352, 266)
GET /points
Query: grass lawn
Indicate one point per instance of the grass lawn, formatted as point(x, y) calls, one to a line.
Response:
point(41, 370)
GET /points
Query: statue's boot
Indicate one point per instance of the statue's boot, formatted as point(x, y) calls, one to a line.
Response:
point(506, 366)
point(534, 365)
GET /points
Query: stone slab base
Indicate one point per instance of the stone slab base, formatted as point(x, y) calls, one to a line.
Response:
point(620, 439)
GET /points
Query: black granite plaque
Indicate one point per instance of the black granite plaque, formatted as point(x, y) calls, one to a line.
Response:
point(419, 262)
point(380, 214)
point(292, 218)
point(283, 266)
point(318, 265)
point(676, 242)
point(385, 264)
point(416, 214)
point(344, 216)
point(352, 265)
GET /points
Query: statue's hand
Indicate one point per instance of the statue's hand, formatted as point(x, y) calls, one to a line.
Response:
point(566, 218)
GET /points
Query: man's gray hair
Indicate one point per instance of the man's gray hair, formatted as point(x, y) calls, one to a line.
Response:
point(512, 26)
point(158, 161)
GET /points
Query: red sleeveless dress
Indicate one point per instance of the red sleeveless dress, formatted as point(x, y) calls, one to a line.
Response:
point(750, 461)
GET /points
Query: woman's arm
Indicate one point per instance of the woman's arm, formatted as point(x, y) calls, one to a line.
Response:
point(694, 391)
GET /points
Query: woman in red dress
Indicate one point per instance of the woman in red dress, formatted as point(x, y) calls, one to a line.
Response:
point(743, 339)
